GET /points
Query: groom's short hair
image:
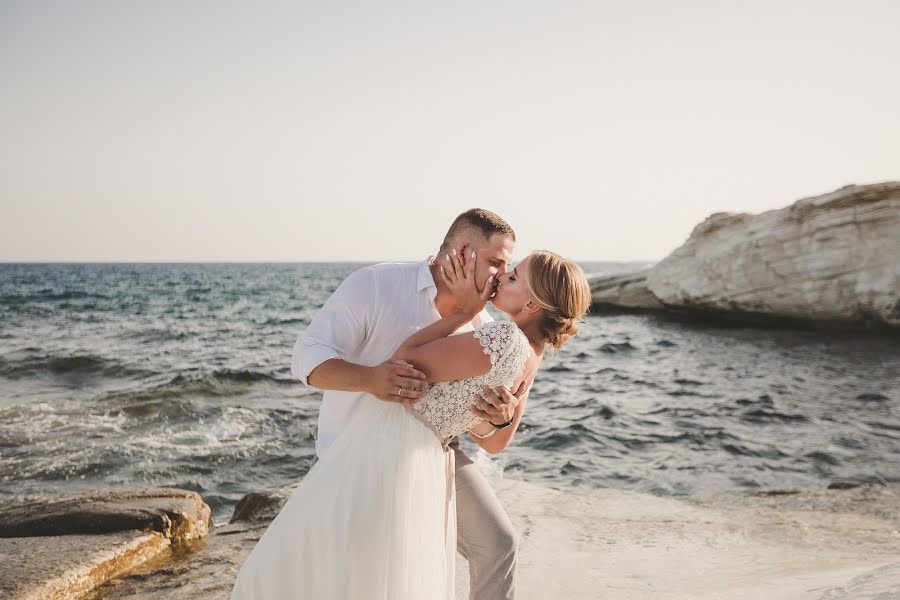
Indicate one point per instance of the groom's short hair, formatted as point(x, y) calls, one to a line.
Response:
point(479, 220)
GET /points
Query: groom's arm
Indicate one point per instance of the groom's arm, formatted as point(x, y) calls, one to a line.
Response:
point(338, 374)
point(383, 381)
point(339, 328)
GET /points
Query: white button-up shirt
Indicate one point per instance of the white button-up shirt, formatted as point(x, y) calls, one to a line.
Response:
point(363, 322)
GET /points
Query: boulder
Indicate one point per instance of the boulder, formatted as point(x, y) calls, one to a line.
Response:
point(261, 506)
point(831, 259)
point(67, 546)
point(180, 515)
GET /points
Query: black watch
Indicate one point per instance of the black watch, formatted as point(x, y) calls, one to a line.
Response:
point(502, 425)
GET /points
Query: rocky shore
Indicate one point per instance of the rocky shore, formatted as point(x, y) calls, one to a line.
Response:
point(827, 260)
point(66, 547)
point(841, 543)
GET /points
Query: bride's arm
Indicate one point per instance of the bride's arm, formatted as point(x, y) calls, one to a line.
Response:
point(497, 441)
point(437, 353)
point(447, 358)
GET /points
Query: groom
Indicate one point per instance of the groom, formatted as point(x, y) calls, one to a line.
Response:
point(346, 351)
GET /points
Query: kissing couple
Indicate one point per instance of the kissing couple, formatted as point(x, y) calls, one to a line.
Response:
point(409, 360)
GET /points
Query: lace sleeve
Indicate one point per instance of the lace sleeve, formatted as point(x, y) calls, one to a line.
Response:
point(497, 338)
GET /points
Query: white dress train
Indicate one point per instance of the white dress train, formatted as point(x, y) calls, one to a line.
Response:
point(375, 518)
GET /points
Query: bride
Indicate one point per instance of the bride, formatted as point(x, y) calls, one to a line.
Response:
point(375, 518)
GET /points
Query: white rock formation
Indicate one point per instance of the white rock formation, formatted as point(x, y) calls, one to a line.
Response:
point(833, 258)
point(625, 291)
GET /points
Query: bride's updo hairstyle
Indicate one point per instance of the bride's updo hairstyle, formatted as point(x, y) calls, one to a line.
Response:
point(559, 287)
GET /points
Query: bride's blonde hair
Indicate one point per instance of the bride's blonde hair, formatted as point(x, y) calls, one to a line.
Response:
point(559, 287)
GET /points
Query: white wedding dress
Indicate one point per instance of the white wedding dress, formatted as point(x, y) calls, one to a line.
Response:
point(375, 518)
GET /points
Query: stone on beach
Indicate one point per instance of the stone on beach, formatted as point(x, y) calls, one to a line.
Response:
point(69, 566)
point(833, 259)
point(261, 506)
point(65, 547)
point(179, 515)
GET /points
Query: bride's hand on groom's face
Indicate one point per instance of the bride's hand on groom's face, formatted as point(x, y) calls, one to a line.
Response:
point(461, 282)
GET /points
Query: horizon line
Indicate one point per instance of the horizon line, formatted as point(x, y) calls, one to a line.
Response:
point(253, 262)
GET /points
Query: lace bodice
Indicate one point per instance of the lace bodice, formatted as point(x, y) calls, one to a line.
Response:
point(445, 406)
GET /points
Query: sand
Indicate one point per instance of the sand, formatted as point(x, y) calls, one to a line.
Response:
point(579, 543)
point(621, 545)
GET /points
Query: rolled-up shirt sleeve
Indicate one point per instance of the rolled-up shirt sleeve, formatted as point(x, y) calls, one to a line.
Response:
point(338, 328)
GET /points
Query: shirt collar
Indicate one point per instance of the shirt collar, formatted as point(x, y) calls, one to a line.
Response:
point(424, 279)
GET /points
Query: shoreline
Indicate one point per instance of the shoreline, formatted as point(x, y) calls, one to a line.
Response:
point(576, 543)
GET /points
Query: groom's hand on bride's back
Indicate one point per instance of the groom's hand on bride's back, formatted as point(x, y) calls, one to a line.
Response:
point(396, 380)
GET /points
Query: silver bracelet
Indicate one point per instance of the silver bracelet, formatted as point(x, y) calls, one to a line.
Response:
point(486, 435)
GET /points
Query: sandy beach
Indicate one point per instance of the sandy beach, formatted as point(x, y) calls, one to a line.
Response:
point(582, 544)
point(838, 544)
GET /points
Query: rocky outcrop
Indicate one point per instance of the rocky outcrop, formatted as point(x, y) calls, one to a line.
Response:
point(179, 515)
point(65, 547)
point(70, 566)
point(623, 291)
point(831, 259)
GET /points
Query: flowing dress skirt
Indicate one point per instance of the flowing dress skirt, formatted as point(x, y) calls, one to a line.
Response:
point(374, 519)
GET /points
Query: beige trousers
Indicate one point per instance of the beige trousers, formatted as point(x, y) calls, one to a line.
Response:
point(485, 536)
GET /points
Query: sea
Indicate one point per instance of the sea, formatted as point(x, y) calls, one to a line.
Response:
point(178, 375)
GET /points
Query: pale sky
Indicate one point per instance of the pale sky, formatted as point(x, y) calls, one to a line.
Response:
point(319, 131)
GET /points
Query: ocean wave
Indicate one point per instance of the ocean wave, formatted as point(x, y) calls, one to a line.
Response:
point(224, 377)
point(285, 321)
point(50, 296)
point(220, 383)
point(739, 449)
point(616, 348)
point(762, 415)
point(71, 365)
point(248, 376)
point(557, 439)
point(156, 335)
